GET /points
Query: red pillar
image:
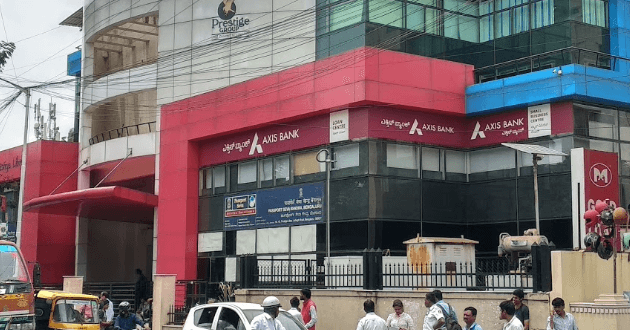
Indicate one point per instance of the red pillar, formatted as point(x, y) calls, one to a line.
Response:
point(178, 200)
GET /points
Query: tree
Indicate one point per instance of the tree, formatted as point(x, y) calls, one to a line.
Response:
point(6, 50)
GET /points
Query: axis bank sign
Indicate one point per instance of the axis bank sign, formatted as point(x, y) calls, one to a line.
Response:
point(266, 141)
point(255, 144)
point(460, 131)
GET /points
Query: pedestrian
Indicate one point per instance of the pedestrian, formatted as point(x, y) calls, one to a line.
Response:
point(107, 323)
point(268, 319)
point(434, 318)
point(371, 321)
point(399, 319)
point(447, 307)
point(559, 319)
point(295, 311)
point(507, 313)
point(125, 319)
point(108, 310)
point(470, 319)
point(142, 288)
point(521, 310)
point(309, 310)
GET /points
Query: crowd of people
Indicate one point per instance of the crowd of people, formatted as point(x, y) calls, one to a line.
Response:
point(440, 315)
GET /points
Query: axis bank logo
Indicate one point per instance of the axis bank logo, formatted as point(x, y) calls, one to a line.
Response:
point(600, 175)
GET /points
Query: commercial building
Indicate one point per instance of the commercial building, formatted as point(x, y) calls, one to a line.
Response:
point(204, 123)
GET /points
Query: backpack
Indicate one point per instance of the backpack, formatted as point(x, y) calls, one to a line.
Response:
point(449, 319)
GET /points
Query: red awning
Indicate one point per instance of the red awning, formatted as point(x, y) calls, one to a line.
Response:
point(105, 203)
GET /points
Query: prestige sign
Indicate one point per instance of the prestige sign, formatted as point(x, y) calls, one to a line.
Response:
point(279, 207)
point(227, 25)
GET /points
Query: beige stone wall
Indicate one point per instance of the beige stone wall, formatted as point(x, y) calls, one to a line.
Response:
point(342, 309)
point(582, 276)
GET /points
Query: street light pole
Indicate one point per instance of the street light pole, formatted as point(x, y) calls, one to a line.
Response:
point(535, 160)
point(18, 229)
point(328, 162)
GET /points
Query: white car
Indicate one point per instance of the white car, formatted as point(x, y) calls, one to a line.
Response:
point(232, 316)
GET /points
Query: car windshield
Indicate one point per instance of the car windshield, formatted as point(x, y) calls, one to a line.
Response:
point(76, 311)
point(12, 267)
point(287, 321)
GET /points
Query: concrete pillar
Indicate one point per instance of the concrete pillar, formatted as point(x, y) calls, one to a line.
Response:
point(81, 239)
point(163, 299)
point(73, 284)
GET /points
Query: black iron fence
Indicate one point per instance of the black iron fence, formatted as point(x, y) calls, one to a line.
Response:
point(376, 273)
point(130, 130)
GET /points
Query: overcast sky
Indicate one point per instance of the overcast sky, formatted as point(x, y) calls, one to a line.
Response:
point(42, 47)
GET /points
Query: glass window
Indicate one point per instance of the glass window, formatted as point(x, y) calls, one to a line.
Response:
point(430, 159)
point(218, 176)
point(386, 12)
point(595, 122)
point(624, 153)
point(415, 17)
point(521, 17)
point(595, 12)
point(345, 13)
point(624, 125)
point(208, 178)
point(201, 182)
point(247, 172)
point(492, 160)
point(306, 163)
point(401, 156)
point(346, 156)
point(265, 169)
point(542, 13)
point(203, 317)
point(282, 170)
point(455, 162)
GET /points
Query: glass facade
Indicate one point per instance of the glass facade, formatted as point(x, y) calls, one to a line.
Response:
point(479, 33)
point(389, 191)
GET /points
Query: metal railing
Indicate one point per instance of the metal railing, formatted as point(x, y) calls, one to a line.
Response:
point(137, 129)
point(481, 274)
point(547, 60)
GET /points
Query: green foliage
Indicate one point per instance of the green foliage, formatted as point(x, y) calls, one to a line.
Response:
point(6, 50)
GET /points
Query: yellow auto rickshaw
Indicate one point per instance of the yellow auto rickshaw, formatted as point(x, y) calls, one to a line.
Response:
point(64, 310)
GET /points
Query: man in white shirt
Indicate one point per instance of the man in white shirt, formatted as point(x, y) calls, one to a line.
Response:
point(267, 320)
point(434, 319)
point(371, 321)
point(109, 311)
point(295, 303)
point(560, 320)
point(507, 313)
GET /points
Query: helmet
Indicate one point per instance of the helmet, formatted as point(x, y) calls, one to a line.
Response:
point(123, 306)
point(591, 240)
point(607, 217)
point(271, 301)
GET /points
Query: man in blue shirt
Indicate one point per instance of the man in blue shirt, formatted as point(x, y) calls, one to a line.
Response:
point(126, 320)
point(445, 306)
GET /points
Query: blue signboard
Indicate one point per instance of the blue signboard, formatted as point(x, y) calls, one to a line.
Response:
point(74, 64)
point(278, 207)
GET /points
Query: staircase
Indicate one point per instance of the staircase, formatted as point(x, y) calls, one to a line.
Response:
point(118, 292)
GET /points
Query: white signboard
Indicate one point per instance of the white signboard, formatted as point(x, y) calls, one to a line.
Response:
point(339, 126)
point(539, 120)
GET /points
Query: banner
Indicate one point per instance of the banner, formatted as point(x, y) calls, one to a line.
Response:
point(278, 207)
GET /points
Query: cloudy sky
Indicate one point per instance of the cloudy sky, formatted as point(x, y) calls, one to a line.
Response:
point(42, 47)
